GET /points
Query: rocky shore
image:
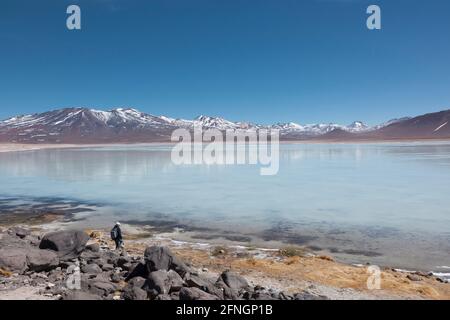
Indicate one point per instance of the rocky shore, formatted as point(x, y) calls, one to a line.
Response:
point(80, 265)
point(62, 265)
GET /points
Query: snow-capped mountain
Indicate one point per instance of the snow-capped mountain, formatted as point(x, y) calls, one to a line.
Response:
point(85, 117)
point(318, 129)
point(84, 125)
point(392, 121)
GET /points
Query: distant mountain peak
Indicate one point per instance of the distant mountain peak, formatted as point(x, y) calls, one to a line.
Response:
point(127, 124)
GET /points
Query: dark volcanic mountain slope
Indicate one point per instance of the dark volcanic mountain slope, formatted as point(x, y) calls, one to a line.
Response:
point(429, 126)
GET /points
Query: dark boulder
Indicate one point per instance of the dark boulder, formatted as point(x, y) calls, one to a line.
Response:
point(13, 260)
point(107, 267)
point(121, 261)
point(101, 288)
point(68, 244)
point(175, 281)
point(137, 282)
point(91, 269)
point(233, 281)
point(140, 270)
point(163, 282)
point(157, 283)
point(131, 292)
point(94, 247)
point(161, 258)
point(41, 260)
point(203, 284)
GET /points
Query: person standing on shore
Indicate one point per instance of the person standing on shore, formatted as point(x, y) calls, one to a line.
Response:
point(116, 235)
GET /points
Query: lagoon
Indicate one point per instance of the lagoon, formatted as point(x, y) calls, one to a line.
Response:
point(381, 203)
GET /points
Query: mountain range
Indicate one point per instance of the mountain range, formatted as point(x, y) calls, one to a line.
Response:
point(128, 125)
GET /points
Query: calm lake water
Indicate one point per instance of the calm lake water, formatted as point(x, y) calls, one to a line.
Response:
point(387, 204)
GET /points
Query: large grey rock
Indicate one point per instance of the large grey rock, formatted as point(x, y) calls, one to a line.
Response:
point(68, 244)
point(157, 283)
point(101, 288)
point(228, 293)
point(203, 284)
point(134, 293)
point(195, 294)
point(13, 260)
point(107, 267)
point(175, 281)
point(162, 282)
point(41, 260)
point(91, 269)
point(122, 261)
point(161, 258)
point(137, 282)
point(140, 270)
point(21, 259)
point(234, 281)
point(11, 241)
point(94, 247)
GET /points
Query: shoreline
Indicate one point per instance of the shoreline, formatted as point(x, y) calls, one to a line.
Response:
point(18, 147)
point(288, 271)
point(73, 214)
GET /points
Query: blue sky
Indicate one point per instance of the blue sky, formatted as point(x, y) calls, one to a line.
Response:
point(264, 60)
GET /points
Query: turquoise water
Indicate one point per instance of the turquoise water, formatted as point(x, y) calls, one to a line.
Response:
point(377, 203)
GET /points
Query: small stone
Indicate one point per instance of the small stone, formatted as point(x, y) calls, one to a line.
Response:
point(91, 269)
point(414, 277)
point(115, 278)
point(49, 286)
point(94, 247)
point(107, 267)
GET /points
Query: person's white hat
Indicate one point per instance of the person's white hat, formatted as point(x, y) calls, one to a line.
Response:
point(117, 223)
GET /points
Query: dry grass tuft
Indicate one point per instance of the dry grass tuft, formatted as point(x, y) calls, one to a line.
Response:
point(292, 252)
point(219, 251)
point(5, 273)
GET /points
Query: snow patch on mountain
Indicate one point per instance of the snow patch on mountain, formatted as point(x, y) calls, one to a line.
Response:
point(89, 121)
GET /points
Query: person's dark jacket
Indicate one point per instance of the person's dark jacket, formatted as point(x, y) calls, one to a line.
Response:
point(119, 232)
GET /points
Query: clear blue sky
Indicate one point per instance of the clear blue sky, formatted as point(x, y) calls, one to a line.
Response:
point(260, 60)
